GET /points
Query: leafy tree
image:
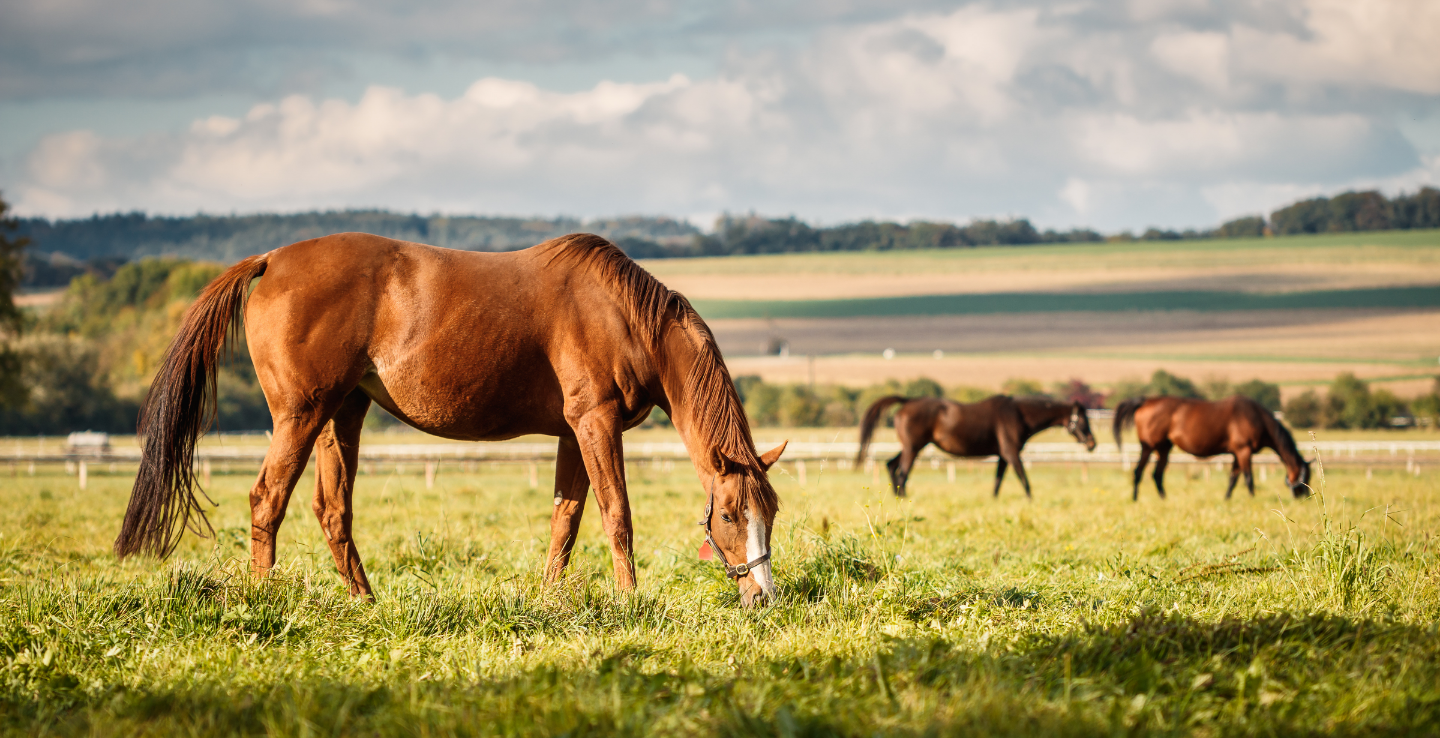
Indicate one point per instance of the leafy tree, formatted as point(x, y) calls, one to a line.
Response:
point(1076, 390)
point(1169, 385)
point(1305, 410)
point(1125, 389)
point(1426, 408)
point(1250, 226)
point(924, 387)
point(1359, 211)
point(1420, 210)
point(1351, 404)
point(1306, 216)
point(1021, 387)
point(12, 391)
point(1265, 393)
point(66, 390)
point(961, 393)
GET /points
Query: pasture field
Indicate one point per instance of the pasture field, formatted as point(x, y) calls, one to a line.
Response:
point(949, 613)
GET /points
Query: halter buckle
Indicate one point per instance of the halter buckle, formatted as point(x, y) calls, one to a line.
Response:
point(742, 570)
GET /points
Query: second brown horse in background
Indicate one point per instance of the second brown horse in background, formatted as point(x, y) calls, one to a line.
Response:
point(1238, 426)
point(996, 426)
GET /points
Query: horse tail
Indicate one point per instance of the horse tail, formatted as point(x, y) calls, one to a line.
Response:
point(1125, 416)
point(180, 407)
point(871, 419)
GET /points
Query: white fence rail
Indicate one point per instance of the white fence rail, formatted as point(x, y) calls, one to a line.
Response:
point(1333, 452)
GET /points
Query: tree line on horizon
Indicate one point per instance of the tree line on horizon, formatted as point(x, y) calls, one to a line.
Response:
point(64, 249)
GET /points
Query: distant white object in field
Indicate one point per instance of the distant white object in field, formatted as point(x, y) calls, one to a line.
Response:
point(889, 354)
point(88, 442)
point(938, 354)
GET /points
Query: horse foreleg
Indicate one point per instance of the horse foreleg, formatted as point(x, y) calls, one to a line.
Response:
point(1162, 459)
point(295, 433)
point(1242, 462)
point(1140, 463)
point(337, 455)
point(893, 468)
point(1234, 477)
point(598, 436)
point(572, 485)
point(1000, 465)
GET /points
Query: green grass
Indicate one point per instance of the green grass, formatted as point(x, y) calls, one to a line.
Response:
point(948, 614)
point(1052, 302)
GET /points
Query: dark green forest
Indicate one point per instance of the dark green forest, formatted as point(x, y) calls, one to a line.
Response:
point(64, 249)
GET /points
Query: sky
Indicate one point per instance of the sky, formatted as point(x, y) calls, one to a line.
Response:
point(1109, 115)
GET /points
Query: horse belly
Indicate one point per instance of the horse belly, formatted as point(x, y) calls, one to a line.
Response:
point(495, 403)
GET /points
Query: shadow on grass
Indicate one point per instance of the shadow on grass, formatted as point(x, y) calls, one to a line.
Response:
point(1154, 674)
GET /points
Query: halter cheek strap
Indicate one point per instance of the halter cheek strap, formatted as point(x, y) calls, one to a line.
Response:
point(739, 570)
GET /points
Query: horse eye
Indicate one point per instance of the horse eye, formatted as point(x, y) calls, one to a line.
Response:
point(725, 517)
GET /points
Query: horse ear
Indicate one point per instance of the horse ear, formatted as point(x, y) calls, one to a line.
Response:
point(769, 458)
point(720, 461)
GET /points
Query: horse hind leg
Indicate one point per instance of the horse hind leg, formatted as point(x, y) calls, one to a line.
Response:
point(296, 429)
point(337, 454)
point(572, 486)
point(1000, 466)
point(1020, 474)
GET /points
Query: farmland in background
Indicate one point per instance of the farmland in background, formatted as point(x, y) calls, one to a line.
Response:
point(1294, 310)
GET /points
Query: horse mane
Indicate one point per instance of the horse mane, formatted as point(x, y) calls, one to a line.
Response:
point(718, 415)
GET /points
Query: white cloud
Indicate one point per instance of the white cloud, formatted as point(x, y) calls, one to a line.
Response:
point(1160, 115)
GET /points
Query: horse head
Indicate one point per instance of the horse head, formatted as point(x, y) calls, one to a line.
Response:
point(1079, 426)
point(1298, 479)
point(739, 515)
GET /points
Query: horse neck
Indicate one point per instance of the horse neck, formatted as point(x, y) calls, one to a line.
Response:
point(1039, 416)
point(1289, 453)
point(682, 357)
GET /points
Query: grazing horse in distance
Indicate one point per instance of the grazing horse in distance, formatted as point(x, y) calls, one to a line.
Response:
point(1238, 426)
point(569, 338)
point(996, 426)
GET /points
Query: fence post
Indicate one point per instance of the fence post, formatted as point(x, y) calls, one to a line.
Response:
point(429, 475)
point(82, 475)
point(800, 471)
point(950, 472)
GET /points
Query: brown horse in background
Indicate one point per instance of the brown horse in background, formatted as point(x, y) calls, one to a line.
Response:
point(1238, 426)
point(996, 426)
point(569, 338)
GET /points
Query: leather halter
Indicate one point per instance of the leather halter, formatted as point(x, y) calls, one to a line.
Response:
point(739, 570)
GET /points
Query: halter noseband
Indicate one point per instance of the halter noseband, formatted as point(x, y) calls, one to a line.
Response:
point(739, 570)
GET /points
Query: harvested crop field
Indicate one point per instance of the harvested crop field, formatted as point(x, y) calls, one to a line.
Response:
point(947, 613)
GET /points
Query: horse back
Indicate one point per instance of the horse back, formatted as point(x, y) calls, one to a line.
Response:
point(975, 428)
point(462, 344)
point(1204, 428)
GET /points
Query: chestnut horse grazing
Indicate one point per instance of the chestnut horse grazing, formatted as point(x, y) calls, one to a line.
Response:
point(569, 338)
point(1238, 426)
point(996, 426)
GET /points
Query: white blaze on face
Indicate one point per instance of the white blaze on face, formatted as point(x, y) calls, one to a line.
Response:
point(755, 548)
